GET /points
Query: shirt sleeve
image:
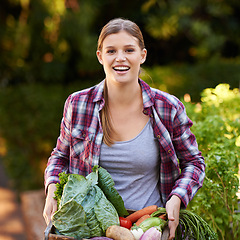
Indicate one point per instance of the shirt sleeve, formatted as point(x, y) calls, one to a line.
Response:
point(59, 159)
point(191, 161)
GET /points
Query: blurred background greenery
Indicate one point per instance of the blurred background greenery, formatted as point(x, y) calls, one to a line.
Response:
point(48, 51)
point(55, 41)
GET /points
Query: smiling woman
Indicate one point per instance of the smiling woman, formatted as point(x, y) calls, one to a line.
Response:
point(140, 135)
point(121, 56)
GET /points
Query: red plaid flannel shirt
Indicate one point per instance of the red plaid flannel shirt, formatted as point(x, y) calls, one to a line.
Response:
point(182, 167)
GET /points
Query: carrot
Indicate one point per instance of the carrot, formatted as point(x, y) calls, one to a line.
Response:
point(163, 216)
point(141, 219)
point(139, 213)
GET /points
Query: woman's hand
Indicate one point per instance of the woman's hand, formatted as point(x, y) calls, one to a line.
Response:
point(50, 204)
point(173, 208)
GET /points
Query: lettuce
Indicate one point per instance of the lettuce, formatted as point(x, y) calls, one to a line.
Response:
point(84, 210)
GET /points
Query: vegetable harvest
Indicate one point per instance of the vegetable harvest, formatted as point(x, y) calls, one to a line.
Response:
point(191, 226)
point(91, 208)
point(152, 234)
point(84, 210)
point(143, 232)
point(125, 222)
point(138, 214)
point(119, 233)
point(153, 222)
point(141, 219)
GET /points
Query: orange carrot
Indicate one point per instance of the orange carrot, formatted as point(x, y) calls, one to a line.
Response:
point(141, 219)
point(139, 213)
point(163, 216)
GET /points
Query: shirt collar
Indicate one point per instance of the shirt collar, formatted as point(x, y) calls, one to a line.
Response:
point(147, 94)
point(98, 92)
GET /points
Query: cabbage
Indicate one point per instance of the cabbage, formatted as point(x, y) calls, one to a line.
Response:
point(106, 183)
point(84, 210)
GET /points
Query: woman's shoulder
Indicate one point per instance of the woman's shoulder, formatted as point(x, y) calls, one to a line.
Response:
point(160, 97)
point(165, 97)
point(93, 93)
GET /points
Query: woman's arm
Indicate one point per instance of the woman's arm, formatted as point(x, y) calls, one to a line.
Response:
point(57, 163)
point(173, 208)
point(59, 159)
point(191, 161)
point(50, 204)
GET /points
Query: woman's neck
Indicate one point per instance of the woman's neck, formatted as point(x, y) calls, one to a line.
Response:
point(123, 94)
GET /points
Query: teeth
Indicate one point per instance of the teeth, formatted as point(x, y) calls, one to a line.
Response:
point(121, 68)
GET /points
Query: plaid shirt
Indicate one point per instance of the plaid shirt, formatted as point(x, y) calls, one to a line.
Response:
point(182, 167)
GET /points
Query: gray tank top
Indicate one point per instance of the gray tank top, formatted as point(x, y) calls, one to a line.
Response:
point(134, 167)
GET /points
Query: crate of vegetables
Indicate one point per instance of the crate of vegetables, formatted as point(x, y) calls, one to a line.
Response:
point(125, 230)
point(91, 208)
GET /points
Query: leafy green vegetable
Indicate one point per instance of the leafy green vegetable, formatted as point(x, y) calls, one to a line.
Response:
point(84, 211)
point(106, 183)
point(77, 187)
point(70, 220)
point(63, 177)
point(194, 227)
point(105, 211)
point(153, 222)
point(191, 226)
point(88, 205)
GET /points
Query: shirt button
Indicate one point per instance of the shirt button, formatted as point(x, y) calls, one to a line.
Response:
point(151, 115)
point(84, 135)
point(145, 111)
point(169, 151)
point(158, 136)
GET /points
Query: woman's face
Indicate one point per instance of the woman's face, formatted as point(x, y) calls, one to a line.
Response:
point(121, 57)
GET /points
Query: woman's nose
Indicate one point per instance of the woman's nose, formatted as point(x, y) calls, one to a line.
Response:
point(120, 57)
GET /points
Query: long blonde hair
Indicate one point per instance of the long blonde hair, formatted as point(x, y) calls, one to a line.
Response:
point(115, 26)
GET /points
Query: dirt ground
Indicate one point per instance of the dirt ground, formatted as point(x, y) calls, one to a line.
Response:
point(20, 216)
point(11, 221)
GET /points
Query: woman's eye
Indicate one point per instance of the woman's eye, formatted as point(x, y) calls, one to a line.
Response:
point(111, 51)
point(130, 50)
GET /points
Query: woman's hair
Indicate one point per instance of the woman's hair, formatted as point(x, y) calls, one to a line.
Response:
point(112, 27)
point(119, 24)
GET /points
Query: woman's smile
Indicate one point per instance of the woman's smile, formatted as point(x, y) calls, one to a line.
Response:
point(121, 69)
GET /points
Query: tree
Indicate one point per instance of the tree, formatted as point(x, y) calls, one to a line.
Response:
point(210, 28)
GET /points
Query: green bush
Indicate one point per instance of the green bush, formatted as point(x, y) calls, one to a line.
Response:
point(217, 128)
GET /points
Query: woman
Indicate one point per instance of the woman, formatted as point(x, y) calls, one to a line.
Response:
point(140, 135)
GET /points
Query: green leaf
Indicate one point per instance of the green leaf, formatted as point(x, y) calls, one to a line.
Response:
point(106, 183)
point(105, 211)
point(70, 220)
point(91, 218)
point(76, 187)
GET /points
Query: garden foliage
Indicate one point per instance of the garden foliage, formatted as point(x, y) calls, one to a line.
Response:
point(217, 128)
